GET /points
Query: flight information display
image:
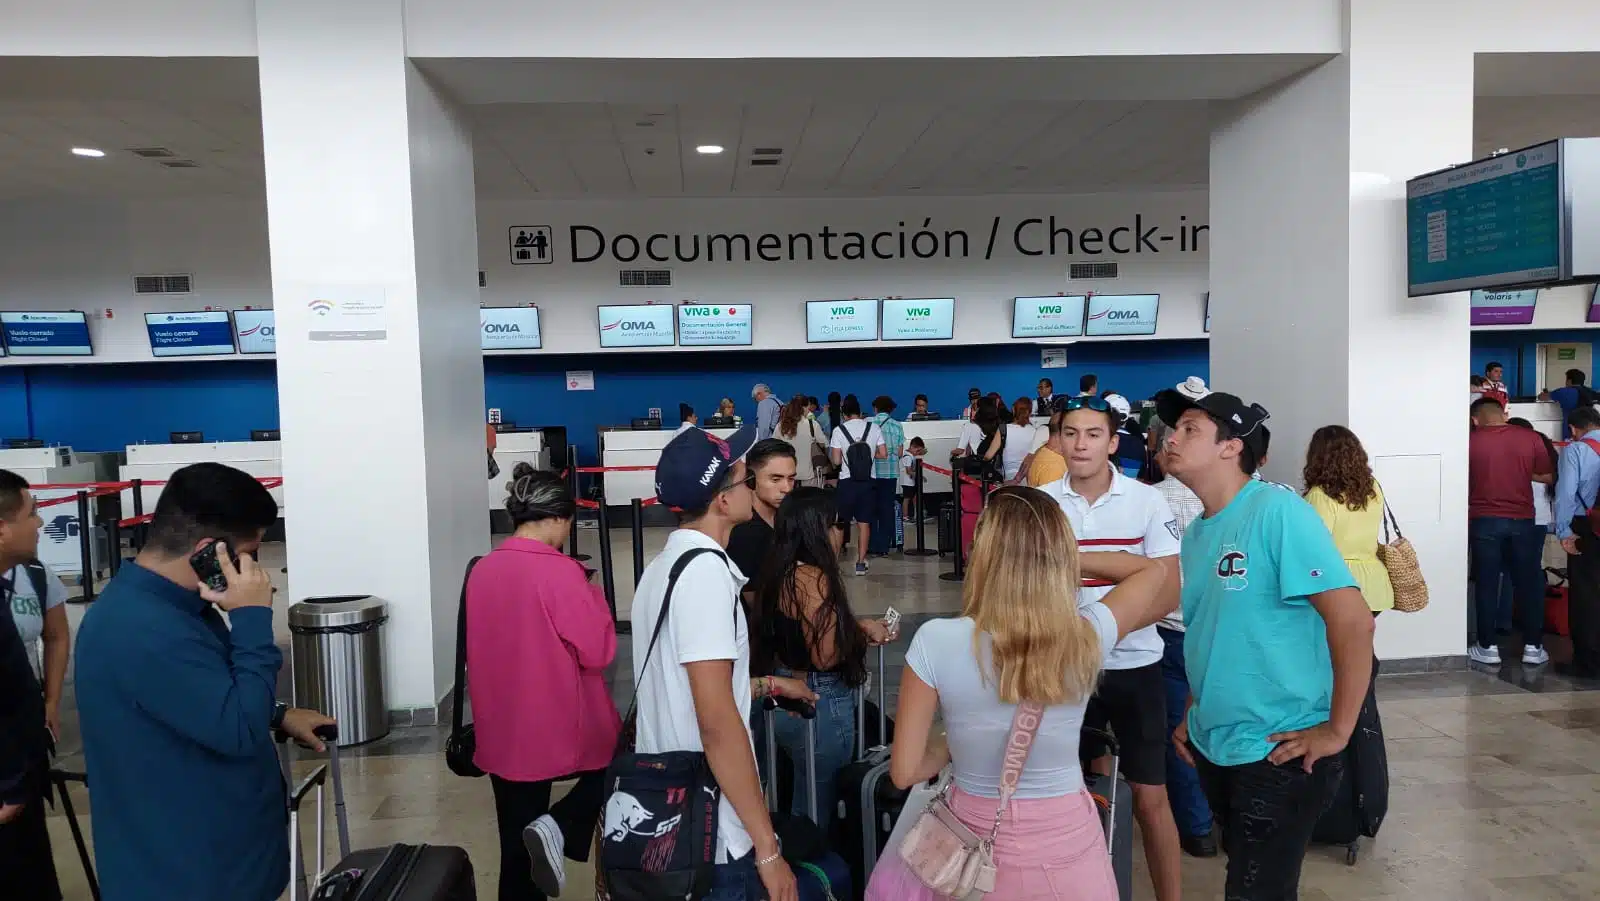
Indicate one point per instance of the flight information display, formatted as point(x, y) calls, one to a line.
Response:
point(54, 334)
point(189, 334)
point(831, 321)
point(919, 319)
point(1490, 224)
point(714, 324)
point(643, 325)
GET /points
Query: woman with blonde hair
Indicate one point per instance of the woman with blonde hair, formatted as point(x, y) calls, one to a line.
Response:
point(1021, 637)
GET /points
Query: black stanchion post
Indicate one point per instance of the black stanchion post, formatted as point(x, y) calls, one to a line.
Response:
point(573, 482)
point(85, 548)
point(137, 538)
point(606, 578)
point(114, 541)
point(958, 574)
point(637, 514)
point(921, 550)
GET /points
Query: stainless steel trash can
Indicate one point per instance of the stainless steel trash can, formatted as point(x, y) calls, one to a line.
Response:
point(337, 651)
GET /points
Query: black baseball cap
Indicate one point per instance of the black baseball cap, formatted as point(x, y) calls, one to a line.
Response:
point(694, 464)
point(1248, 421)
point(973, 394)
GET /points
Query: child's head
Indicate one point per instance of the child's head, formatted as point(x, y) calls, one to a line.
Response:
point(916, 447)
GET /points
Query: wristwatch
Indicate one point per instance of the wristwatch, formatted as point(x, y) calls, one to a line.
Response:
point(279, 711)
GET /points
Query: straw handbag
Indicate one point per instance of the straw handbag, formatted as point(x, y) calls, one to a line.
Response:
point(1400, 559)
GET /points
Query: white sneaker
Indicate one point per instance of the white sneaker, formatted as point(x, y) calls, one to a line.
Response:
point(547, 851)
point(1533, 655)
point(1489, 656)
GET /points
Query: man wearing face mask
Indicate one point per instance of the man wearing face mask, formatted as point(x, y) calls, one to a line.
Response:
point(178, 705)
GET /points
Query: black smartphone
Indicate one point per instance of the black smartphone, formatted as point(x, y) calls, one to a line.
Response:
point(205, 565)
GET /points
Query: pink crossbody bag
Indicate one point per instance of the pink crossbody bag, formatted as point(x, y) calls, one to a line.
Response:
point(941, 851)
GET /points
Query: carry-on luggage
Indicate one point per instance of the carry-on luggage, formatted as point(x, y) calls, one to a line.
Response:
point(1557, 621)
point(820, 874)
point(868, 802)
point(394, 873)
point(59, 779)
point(947, 528)
point(1362, 800)
point(1114, 798)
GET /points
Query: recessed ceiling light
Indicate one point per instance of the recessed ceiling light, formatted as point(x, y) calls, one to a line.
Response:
point(88, 151)
point(708, 148)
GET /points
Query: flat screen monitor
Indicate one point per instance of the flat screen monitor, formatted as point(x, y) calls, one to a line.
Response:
point(58, 334)
point(265, 435)
point(256, 331)
point(1594, 304)
point(510, 328)
point(919, 319)
point(644, 325)
point(1208, 313)
point(200, 333)
point(832, 321)
point(1122, 314)
point(1503, 307)
point(1047, 317)
point(715, 324)
point(186, 437)
point(1493, 223)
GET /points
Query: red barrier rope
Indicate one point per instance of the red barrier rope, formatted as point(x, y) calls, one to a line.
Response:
point(592, 470)
point(73, 498)
point(132, 521)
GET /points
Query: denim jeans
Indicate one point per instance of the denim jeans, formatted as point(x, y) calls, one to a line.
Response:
point(1184, 792)
point(885, 518)
point(737, 880)
point(836, 741)
point(1267, 814)
point(1513, 549)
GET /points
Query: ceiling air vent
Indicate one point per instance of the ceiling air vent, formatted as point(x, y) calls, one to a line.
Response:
point(764, 162)
point(645, 278)
point(1086, 271)
point(152, 153)
point(767, 151)
point(163, 284)
point(180, 164)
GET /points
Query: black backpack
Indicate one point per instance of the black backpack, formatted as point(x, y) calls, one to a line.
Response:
point(858, 454)
point(39, 578)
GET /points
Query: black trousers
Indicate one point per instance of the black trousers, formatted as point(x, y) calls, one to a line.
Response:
point(1267, 814)
point(27, 869)
point(1583, 599)
point(516, 804)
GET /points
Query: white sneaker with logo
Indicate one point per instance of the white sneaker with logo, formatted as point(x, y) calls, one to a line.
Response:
point(1533, 655)
point(1489, 656)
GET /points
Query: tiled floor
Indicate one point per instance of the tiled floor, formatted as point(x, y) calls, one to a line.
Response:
point(1495, 779)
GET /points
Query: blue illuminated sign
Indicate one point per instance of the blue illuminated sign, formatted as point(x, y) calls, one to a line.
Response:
point(203, 333)
point(61, 334)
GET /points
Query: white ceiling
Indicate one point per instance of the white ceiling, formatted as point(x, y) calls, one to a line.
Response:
point(845, 129)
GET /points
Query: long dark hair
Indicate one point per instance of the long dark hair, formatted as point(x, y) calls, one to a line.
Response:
point(1549, 448)
point(833, 410)
point(1337, 463)
point(801, 538)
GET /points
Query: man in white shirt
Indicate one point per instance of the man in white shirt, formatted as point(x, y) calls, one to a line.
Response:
point(856, 487)
point(694, 691)
point(1110, 512)
point(767, 411)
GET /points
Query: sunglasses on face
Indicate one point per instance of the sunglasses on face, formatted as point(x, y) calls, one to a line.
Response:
point(1096, 404)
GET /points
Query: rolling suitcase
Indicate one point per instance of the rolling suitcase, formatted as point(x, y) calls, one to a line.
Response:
point(820, 874)
point(394, 873)
point(868, 802)
point(947, 528)
point(1115, 800)
point(1362, 799)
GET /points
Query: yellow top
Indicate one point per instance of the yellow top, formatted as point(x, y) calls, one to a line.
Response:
point(1047, 466)
point(1357, 533)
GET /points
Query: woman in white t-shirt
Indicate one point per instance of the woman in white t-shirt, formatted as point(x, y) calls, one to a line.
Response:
point(1021, 636)
point(1022, 439)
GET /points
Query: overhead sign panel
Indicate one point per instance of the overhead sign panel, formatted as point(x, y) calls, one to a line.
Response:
point(715, 324)
point(829, 321)
point(53, 334)
point(645, 325)
point(919, 319)
point(509, 328)
point(1047, 317)
point(1122, 314)
point(192, 334)
point(256, 331)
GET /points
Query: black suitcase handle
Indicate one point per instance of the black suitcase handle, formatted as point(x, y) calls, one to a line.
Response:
point(805, 709)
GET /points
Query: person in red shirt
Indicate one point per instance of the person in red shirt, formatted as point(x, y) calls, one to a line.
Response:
point(1503, 462)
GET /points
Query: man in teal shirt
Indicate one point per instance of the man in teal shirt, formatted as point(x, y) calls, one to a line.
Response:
point(886, 475)
point(1278, 650)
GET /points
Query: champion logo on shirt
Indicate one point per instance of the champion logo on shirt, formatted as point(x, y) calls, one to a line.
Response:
point(1232, 568)
point(1316, 574)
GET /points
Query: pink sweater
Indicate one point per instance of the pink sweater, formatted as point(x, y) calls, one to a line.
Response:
point(539, 637)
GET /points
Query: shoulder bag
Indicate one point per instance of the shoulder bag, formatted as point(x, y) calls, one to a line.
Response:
point(657, 839)
point(821, 463)
point(462, 745)
point(941, 851)
point(1400, 559)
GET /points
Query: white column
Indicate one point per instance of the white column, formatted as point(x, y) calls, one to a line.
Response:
point(370, 207)
point(1308, 284)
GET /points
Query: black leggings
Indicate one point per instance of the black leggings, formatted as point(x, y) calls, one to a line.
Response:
point(516, 804)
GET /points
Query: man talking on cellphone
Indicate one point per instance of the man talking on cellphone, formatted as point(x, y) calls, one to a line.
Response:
point(178, 705)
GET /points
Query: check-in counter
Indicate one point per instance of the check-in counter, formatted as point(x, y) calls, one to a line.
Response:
point(510, 449)
point(1544, 414)
point(157, 463)
point(625, 447)
point(939, 436)
point(59, 546)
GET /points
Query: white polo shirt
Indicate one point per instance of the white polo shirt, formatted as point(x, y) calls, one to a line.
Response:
point(1132, 517)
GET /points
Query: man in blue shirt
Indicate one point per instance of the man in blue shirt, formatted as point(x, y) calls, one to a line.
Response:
point(767, 411)
point(178, 709)
point(1278, 650)
point(1577, 482)
point(1573, 395)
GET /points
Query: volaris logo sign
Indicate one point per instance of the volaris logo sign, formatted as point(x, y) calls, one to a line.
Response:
point(510, 328)
point(1047, 317)
point(841, 320)
point(647, 325)
point(715, 325)
point(1123, 314)
point(919, 319)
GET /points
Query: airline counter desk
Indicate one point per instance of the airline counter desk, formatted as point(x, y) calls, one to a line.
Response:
point(59, 546)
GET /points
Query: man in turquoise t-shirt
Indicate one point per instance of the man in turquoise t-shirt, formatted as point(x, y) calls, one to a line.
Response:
point(1278, 650)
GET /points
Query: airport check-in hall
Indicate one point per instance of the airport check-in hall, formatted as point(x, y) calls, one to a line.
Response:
point(334, 253)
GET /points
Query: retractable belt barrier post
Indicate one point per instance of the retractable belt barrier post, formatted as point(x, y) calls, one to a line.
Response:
point(959, 573)
point(637, 514)
point(922, 549)
point(577, 493)
point(85, 548)
point(607, 580)
point(136, 540)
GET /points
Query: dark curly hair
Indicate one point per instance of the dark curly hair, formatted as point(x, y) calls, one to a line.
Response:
point(1337, 463)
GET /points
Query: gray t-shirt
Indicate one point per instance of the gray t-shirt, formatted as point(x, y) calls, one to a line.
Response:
point(977, 722)
point(28, 611)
